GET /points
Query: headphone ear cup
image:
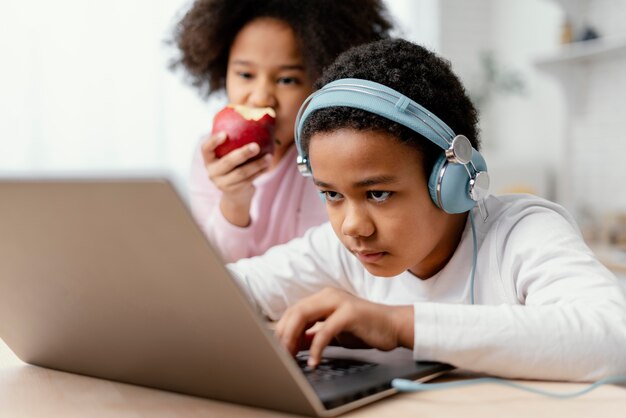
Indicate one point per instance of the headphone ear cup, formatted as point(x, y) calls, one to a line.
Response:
point(434, 178)
point(453, 182)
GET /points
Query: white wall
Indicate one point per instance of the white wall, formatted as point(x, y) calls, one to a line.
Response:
point(417, 20)
point(569, 152)
point(85, 87)
point(520, 141)
point(598, 135)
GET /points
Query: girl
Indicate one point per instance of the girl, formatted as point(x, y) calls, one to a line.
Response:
point(391, 141)
point(264, 54)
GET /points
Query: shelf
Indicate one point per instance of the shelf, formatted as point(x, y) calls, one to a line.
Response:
point(584, 52)
point(572, 63)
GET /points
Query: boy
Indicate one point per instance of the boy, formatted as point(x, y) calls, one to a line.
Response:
point(516, 293)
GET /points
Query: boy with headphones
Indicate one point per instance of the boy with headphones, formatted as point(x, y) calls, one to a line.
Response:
point(416, 253)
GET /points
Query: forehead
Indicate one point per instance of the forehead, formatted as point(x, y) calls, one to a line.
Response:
point(266, 38)
point(352, 155)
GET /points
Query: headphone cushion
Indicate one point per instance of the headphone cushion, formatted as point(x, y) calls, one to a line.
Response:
point(434, 177)
point(454, 185)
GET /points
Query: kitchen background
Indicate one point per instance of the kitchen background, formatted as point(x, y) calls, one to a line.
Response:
point(85, 87)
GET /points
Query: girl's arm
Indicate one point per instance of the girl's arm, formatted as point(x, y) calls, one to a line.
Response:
point(231, 240)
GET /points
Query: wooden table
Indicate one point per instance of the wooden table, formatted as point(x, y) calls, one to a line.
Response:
point(31, 392)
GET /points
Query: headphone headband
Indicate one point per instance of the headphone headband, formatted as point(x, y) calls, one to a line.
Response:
point(378, 99)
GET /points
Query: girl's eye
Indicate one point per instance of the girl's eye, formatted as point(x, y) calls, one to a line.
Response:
point(378, 196)
point(288, 80)
point(245, 75)
point(331, 196)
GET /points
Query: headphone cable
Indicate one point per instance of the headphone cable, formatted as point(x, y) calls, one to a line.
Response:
point(474, 258)
point(405, 385)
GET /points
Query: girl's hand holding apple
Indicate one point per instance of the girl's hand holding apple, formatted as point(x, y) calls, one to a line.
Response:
point(238, 151)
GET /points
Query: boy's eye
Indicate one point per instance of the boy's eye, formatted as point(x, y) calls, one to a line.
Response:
point(378, 195)
point(331, 196)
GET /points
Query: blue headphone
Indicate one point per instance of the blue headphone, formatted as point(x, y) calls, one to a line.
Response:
point(459, 179)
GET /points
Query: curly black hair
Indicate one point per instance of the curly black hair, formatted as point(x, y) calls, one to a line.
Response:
point(324, 29)
point(411, 70)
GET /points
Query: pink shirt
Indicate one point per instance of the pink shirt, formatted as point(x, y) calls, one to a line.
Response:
point(284, 206)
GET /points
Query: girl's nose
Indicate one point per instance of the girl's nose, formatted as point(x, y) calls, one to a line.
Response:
point(357, 223)
point(262, 95)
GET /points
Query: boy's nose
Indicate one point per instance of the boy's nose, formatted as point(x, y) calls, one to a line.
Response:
point(357, 223)
point(262, 95)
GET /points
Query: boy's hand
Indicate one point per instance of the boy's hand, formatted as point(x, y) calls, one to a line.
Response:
point(378, 326)
point(233, 175)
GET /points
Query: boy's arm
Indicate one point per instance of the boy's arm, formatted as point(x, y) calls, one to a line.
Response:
point(290, 272)
point(567, 320)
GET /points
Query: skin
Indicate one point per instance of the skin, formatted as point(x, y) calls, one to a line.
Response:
point(265, 69)
point(379, 206)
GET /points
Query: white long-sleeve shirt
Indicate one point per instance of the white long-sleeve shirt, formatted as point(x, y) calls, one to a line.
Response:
point(545, 308)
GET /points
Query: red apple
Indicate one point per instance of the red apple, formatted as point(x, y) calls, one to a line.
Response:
point(243, 125)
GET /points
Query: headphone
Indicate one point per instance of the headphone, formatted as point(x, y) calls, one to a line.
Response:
point(459, 179)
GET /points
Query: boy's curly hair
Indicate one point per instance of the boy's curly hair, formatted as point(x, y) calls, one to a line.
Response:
point(324, 29)
point(411, 70)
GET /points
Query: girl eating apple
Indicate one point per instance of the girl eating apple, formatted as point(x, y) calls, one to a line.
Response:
point(263, 54)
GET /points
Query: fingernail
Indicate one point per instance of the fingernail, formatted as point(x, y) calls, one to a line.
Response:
point(311, 363)
point(221, 136)
point(253, 146)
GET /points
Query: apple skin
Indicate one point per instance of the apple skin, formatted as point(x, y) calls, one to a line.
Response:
point(241, 130)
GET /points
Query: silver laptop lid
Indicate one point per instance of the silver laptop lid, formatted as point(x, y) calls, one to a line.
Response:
point(113, 279)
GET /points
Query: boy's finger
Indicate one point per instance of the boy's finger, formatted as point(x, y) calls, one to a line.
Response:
point(296, 319)
point(317, 307)
point(333, 325)
point(289, 329)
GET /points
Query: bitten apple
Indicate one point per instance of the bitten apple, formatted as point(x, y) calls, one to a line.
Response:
point(243, 125)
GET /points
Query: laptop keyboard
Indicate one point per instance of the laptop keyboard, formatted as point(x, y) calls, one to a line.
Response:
point(331, 368)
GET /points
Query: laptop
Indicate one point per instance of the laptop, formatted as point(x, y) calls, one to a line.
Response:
point(112, 278)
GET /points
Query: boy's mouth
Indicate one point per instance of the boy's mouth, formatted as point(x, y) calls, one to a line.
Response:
point(367, 256)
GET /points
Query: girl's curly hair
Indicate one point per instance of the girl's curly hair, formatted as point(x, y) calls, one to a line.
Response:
point(324, 29)
point(411, 70)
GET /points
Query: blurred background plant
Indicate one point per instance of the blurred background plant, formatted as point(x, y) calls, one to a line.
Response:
point(493, 80)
